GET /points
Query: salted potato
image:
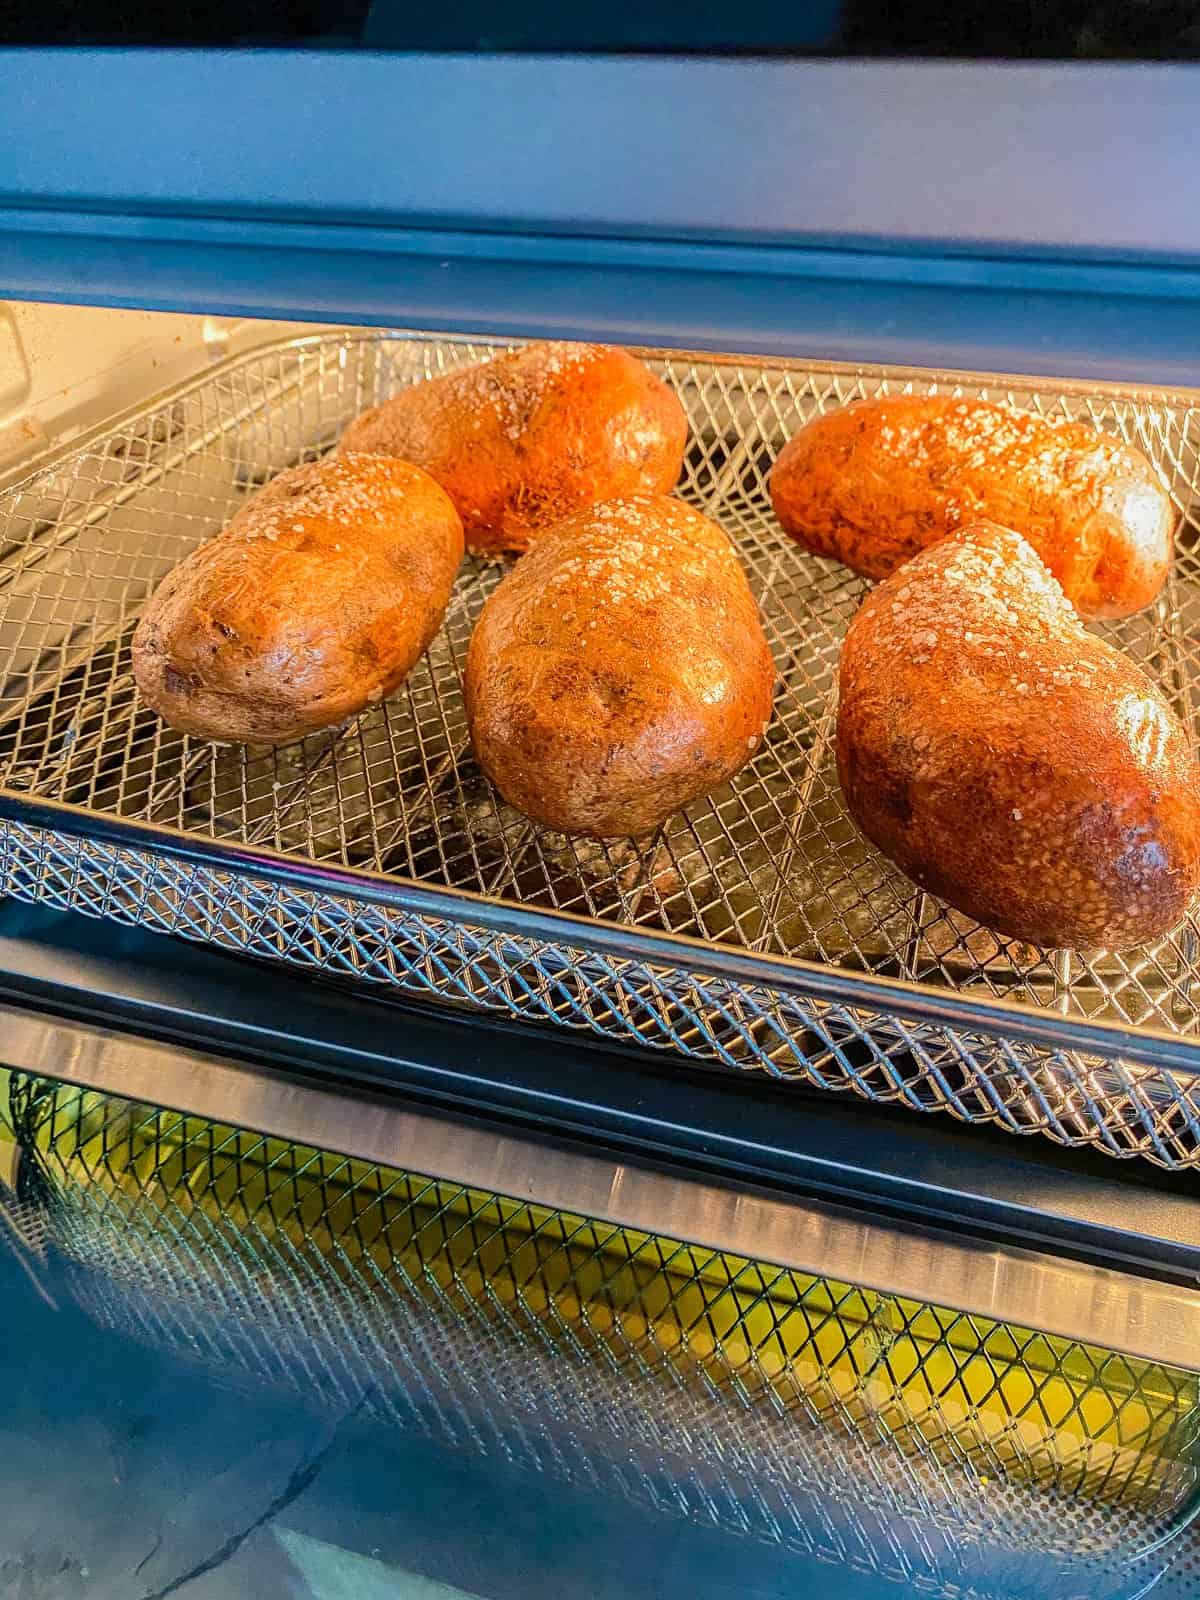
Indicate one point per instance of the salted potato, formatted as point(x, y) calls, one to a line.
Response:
point(524, 440)
point(313, 603)
point(1010, 762)
point(620, 671)
point(875, 482)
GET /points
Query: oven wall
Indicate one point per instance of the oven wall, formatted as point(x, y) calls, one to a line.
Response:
point(65, 368)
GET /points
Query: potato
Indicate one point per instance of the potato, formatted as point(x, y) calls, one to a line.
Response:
point(522, 441)
point(313, 603)
point(1010, 762)
point(875, 482)
point(620, 670)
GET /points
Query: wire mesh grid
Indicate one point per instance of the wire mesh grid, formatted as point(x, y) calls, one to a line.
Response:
point(897, 1438)
point(770, 865)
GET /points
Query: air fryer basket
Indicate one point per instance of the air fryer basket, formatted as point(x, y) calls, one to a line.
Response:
point(757, 931)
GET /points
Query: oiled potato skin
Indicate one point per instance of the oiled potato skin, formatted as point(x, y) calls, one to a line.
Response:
point(529, 438)
point(620, 671)
point(313, 603)
point(1010, 762)
point(875, 482)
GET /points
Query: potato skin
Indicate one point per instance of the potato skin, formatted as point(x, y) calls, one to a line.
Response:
point(529, 438)
point(313, 603)
point(1009, 761)
point(874, 482)
point(620, 671)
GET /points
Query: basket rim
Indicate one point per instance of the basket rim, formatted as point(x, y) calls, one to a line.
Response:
point(794, 976)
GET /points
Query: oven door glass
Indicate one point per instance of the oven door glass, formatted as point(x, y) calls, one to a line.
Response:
point(239, 1365)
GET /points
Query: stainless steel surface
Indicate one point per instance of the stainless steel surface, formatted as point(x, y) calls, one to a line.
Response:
point(891, 1435)
point(769, 867)
point(1154, 1321)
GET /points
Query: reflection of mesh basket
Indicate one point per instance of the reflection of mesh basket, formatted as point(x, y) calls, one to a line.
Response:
point(897, 1438)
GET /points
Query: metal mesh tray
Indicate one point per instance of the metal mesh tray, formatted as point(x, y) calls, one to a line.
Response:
point(889, 1436)
point(757, 930)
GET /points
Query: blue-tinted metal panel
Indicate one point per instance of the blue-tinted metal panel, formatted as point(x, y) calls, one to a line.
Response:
point(1072, 158)
point(1025, 218)
point(828, 307)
